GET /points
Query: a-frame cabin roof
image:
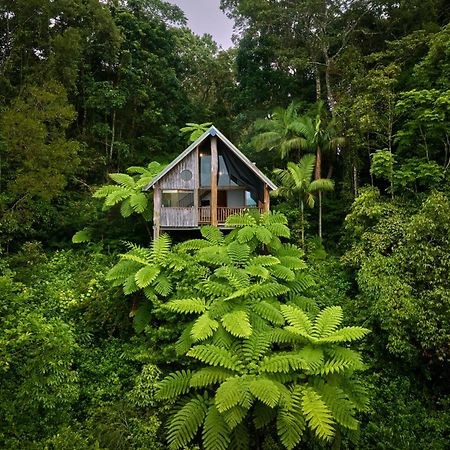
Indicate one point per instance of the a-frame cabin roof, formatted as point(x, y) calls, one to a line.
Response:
point(213, 131)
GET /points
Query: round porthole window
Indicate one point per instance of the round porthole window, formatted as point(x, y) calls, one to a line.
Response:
point(186, 175)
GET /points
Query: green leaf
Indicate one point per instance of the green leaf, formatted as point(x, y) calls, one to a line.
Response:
point(327, 321)
point(318, 415)
point(142, 317)
point(123, 179)
point(187, 306)
point(237, 323)
point(138, 202)
point(81, 236)
point(298, 319)
point(185, 423)
point(215, 356)
point(231, 393)
point(174, 385)
point(265, 391)
point(145, 276)
point(216, 433)
point(203, 327)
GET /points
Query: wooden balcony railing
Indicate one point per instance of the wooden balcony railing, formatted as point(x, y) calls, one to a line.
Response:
point(179, 217)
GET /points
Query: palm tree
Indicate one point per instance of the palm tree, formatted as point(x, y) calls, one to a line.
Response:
point(319, 139)
point(280, 132)
point(296, 183)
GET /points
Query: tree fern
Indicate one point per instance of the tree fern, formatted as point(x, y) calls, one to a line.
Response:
point(263, 351)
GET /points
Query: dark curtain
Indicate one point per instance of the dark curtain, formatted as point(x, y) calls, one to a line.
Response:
point(241, 174)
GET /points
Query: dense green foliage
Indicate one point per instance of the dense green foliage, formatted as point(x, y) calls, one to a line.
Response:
point(349, 103)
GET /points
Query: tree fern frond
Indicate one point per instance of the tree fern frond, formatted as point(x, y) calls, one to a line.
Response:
point(174, 385)
point(290, 427)
point(318, 415)
point(346, 334)
point(257, 271)
point(327, 321)
point(263, 235)
point(138, 202)
point(212, 234)
point(187, 306)
point(301, 283)
point(269, 311)
point(216, 432)
point(245, 234)
point(160, 248)
point(231, 393)
point(282, 272)
point(203, 327)
point(130, 286)
point(237, 323)
point(145, 276)
point(215, 356)
point(123, 179)
point(240, 220)
point(184, 425)
point(298, 319)
point(312, 356)
point(292, 262)
point(234, 416)
point(267, 290)
point(262, 415)
point(238, 253)
point(265, 390)
point(264, 260)
point(341, 408)
point(162, 285)
point(184, 342)
point(237, 277)
point(256, 346)
point(216, 288)
point(209, 376)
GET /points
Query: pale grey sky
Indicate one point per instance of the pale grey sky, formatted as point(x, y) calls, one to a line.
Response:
point(205, 16)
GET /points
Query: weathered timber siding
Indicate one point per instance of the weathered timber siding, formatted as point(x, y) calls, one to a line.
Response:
point(179, 217)
point(172, 179)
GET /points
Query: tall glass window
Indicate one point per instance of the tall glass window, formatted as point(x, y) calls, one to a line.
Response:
point(205, 170)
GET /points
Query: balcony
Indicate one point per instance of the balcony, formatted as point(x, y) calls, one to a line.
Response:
point(192, 217)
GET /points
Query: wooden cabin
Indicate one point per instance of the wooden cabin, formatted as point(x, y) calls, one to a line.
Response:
point(208, 182)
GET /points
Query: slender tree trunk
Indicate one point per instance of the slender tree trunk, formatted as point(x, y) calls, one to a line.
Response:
point(320, 214)
point(302, 223)
point(317, 176)
point(330, 95)
point(317, 79)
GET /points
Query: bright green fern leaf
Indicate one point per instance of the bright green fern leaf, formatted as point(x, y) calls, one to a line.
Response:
point(184, 425)
point(237, 323)
point(216, 432)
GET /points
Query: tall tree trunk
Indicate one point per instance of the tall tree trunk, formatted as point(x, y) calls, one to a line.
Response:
point(317, 176)
point(302, 218)
point(320, 214)
point(317, 79)
point(330, 96)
